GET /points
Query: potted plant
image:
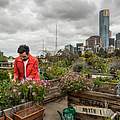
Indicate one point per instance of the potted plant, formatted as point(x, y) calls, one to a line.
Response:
point(34, 91)
point(23, 93)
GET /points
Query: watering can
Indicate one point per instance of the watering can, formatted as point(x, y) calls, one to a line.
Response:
point(68, 114)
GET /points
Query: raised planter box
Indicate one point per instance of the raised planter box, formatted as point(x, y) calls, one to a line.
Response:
point(35, 112)
point(29, 109)
point(1, 118)
point(107, 88)
point(9, 112)
point(53, 92)
point(6, 118)
point(94, 105)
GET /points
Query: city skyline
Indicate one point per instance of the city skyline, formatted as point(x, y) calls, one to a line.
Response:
point(33, 21)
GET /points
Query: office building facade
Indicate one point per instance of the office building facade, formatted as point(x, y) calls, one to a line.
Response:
point(70, 48)
point(80, 48)
point(112, 42)
point(117, 43)
point(94, 43)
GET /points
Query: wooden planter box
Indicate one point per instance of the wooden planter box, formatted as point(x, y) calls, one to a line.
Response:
point(53, 92)
point(35, 112)
point(9, 112)
point(89, 101)
point(106, 88)
point(5, 118)
point(1, 118)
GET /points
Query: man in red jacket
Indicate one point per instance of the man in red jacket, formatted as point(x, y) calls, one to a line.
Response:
point(25, 65)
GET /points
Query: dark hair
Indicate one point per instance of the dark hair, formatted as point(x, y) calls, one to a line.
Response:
point(23, 48)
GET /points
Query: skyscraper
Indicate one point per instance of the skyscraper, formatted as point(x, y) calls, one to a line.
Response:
point(104, 27)
point(118, 40)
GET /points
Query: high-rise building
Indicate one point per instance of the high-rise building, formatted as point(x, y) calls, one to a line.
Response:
point(117, 44)
point(70, 48)
point(112, 42)
point(80, 48)
point(104, 27)
point(94, 43)
point(110, 33)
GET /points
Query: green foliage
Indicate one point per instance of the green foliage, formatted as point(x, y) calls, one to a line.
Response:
point(97, 82)
point(88, 54)
point(63, 63)
point(38, 92)
point(4, 94)
point(73, 86)
point(58, 69)
point(100, 64)
point(102, 53)
point(30, 90)
point(86, 72)
point(70, 84)
point(12, 94)
point(12, 73)
point(118, 75)
point(108, 118)
point(100, 81)
point(4, 75)
point(78, 67)
point(3, 58)
point(117, 52)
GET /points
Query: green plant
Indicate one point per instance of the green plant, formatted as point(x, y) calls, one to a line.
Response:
point(12, 94)
point(38, 92)
point(70, 84)
point(4, 75)
point(97, 82)
point(56, 71)
point(4, 94)
point(31, 90)
point(108, 118)
point(77, 68)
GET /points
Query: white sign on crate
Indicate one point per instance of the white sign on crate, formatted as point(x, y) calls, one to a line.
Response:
point(104, 112)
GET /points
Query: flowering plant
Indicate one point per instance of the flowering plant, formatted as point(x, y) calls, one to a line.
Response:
point(28, 90)
point(72, 83)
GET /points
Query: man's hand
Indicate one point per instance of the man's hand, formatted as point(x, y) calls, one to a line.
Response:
point(13, 80)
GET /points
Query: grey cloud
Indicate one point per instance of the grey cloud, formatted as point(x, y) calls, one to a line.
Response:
point(4, 3)
point(13, 19)
point(12, 24)
point(25, 22)
point(117, 3)
point(9, 24)
point(68, 10)
point(40, 2)
point(106, 3)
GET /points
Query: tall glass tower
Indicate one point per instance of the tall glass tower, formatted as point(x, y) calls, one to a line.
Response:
point(104, 27)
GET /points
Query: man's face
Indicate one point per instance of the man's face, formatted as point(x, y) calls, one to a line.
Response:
point(23, 56)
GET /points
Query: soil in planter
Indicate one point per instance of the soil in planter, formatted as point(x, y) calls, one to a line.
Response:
point(28, 111)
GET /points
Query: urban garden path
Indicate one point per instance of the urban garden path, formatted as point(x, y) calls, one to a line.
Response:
point(52, 107)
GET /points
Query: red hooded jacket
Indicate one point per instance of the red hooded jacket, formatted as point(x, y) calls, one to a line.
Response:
point(31, 69)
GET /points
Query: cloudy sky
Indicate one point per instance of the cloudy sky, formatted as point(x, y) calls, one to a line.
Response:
point(33, 21)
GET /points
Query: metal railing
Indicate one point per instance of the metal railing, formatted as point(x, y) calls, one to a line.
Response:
point(6, 65)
